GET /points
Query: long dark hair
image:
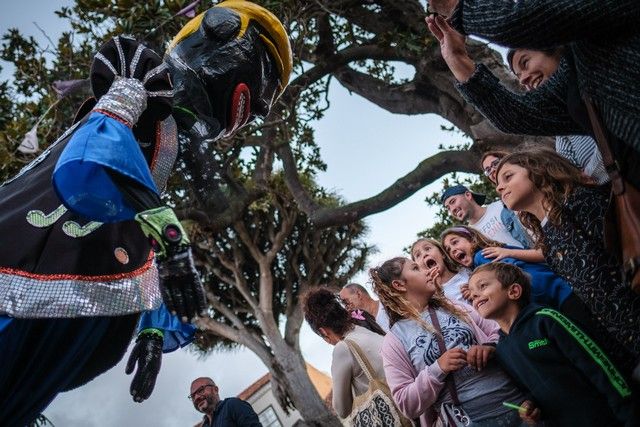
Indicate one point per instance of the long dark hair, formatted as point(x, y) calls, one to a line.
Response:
point(369, 321)
point(322, 309)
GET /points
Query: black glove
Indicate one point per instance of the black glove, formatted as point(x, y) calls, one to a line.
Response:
point(179, 281)
point(147, 353)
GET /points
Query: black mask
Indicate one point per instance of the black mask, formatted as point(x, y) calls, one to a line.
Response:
point(221, 81)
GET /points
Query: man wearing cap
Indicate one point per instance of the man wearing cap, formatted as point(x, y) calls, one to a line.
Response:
point(466, 206)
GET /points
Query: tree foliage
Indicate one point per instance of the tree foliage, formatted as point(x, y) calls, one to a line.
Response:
point(258, 222)
point(354, 42)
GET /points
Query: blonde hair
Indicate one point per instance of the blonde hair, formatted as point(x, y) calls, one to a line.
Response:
point(396, 304)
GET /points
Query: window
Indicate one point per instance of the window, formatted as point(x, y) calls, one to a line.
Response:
point(269, 418)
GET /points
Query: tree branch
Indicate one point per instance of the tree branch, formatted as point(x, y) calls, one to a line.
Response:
point(425, 173)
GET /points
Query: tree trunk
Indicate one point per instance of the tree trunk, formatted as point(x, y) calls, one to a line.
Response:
point(289, 367)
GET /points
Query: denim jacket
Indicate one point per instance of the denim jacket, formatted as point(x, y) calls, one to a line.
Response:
point(515, 228)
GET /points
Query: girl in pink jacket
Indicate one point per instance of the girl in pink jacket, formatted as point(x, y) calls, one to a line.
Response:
point(417, 371)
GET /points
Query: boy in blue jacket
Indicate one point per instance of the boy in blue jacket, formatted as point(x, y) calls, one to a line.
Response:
point(569, 377)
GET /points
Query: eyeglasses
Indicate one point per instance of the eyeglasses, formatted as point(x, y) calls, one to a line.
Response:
point(198, 391)
point(492, 167)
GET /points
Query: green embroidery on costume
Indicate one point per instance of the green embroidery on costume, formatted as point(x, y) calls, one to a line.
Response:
point(538, 343)
point(41, 220)
point(70, 228)
point(592, 349)
point(186, 111)
point(73, 229)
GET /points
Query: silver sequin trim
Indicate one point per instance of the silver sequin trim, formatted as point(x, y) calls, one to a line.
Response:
point(166, 154)
point(154, 72)
point(134, 61)
point(165, 93)
point(35, 162)
point(100, 57)
point(126, 98)
point(24, 297)
point(123, 65)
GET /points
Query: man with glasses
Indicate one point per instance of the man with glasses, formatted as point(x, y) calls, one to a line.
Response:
point(356, 297)
point(229, 412)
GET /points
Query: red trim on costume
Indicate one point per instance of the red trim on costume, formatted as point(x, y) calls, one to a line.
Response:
point(106, 278)
point(113, 116)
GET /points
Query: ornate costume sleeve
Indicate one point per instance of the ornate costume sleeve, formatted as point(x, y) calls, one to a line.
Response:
point(176, 333)
point(539, 112)
point(102, 173)
point(543, 24)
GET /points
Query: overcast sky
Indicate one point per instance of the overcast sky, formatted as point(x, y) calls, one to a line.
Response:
point(366, 149)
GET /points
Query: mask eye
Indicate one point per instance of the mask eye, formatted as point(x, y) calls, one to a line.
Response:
point(220, 24)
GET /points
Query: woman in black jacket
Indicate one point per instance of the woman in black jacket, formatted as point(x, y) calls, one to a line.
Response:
point(602, 53)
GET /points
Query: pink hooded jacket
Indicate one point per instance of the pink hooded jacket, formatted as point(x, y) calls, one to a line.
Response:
point(416, 392)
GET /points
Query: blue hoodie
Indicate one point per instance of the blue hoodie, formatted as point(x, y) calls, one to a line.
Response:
point(547, 288)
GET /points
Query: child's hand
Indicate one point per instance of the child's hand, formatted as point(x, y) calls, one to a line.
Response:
point(433, 275)
point(478, 356)
point(530, 414)
point(466, 293)
point(452, 360)
point(496, 253)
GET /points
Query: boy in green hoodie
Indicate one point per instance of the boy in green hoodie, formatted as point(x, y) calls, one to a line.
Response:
point(569, 377)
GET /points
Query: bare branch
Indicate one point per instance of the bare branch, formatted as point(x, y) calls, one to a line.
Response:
point(335, 62)
point(426, 172)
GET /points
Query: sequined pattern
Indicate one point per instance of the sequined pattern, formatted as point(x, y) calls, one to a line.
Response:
point(166, 152)
point(28, 296)
point(126, 98)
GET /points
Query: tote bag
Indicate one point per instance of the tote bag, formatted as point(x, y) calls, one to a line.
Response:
point(374, 407)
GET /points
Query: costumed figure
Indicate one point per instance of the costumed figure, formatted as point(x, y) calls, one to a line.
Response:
point(88, 244)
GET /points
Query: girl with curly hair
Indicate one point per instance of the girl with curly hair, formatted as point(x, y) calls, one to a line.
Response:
point(416, 368)
point(566, 213)
point(329, 319)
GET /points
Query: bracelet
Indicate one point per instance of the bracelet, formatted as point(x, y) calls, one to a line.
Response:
point(152, 332)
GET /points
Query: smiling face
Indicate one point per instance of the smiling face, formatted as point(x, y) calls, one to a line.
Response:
point(459, 248)
point(460, 206)
point(427, 255)
point(533, 67)
point(204, 395)
point(489, 297)
point(489, 165)
point(516, 190)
